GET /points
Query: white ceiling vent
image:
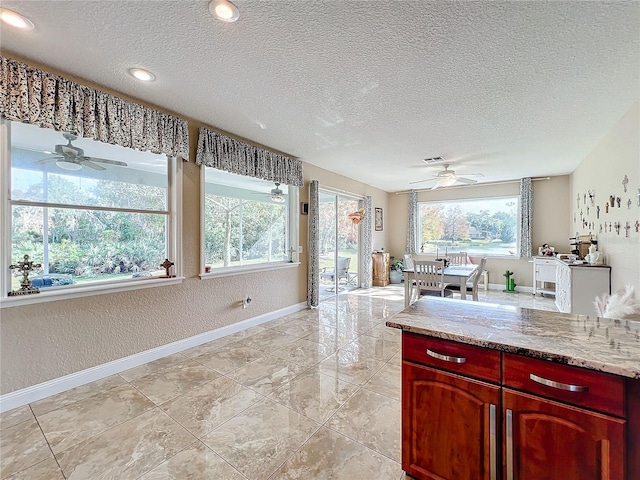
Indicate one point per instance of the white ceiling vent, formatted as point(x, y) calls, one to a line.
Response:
point(432, 160)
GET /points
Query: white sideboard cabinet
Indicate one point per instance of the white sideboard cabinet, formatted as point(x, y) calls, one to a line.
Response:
point(544, 275)
point(577, 286)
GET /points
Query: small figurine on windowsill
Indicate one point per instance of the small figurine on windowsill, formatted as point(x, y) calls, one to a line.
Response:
point(25, 267)
point(167, 266)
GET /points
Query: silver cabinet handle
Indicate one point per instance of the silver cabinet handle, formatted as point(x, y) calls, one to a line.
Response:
point(509, 444)
point(558, 385)
point(445, 358)
point(492, 441)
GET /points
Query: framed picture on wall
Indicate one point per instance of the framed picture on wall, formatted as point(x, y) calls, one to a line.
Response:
point(378, 219)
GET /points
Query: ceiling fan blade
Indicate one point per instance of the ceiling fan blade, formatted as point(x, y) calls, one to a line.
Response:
point(474, 175)
point(425, 180)
point(466, 181)
point(42, 161)
point(437, 185)
point(89, 164)
point(104, 160)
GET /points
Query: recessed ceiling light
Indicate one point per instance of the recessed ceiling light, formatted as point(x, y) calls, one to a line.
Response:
point(224, 10)
point(142, 74)
point(15, 19)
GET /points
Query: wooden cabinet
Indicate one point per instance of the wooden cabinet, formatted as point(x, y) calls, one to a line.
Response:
point(381, 269)
point(547, 440)
point(474, 413)
point(577, 286)
point(435, 401)
point(544, 275)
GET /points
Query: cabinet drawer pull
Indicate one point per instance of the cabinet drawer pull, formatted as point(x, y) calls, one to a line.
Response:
point(558, 385)
point(445, 358)
point(493, 451)
point(509, 444)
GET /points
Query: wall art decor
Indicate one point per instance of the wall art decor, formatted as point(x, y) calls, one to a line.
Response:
point(378, 219)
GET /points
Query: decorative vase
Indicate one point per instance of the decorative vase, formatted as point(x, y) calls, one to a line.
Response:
point(395, 276)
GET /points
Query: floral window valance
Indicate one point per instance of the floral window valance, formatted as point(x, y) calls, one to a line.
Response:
point(224, 153)
point(33, 96)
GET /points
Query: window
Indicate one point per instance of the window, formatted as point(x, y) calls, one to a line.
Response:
point(483, 226)
point(246, 222)
point(90, 213)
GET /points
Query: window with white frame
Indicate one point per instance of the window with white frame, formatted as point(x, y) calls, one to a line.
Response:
point(246, 221)
point(479, 226)
point(90, 213)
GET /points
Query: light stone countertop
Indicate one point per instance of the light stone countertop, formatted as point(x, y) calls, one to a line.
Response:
point(602, 344)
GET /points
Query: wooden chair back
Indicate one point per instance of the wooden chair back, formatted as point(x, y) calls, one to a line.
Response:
point(458, 258)
point(429, 277)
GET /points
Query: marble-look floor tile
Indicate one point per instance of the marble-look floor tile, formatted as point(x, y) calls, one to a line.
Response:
point(304, 352)
point(211, 346)
point(258, 440)
point(127, 450)
point(173, 381)
point(385, 333)
point(246, 333)
point(267, 374)
point(373, 420)
point(349, 367)
point(314, 395)
point(75, 394)
point(299, 328)
point(46, 470)
point(15, 416)
point(371, 347)
point(21, 447)
point(81, 420)
point(152, 367)
point(204, 408)
point(397, 358)
point(197, 462)
point(268, 340)
point(388, 381)
point(330, 455)
point(330, 336)
point(229, 358)
point(278, 322)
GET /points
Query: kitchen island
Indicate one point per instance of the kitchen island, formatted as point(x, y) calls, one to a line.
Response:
point(493, 392)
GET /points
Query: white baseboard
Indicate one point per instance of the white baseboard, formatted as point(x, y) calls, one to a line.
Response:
point(500, 286)
point(42, 390)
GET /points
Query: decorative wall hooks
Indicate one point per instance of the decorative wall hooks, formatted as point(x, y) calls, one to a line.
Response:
point(612, 200)
point(618, 200)
point(25, 268)
point(637, 226)
point(629, 204)
point(592, 196)
point(616, 225)
point(625, 181)
point(638, 197)
point(627, 227)
point(598, 212)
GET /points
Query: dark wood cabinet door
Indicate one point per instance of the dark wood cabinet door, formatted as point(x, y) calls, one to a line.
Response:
point(545, 440)
point(448, 425)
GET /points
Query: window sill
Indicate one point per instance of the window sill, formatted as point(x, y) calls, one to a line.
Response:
point(231, 271)
point(65, 293)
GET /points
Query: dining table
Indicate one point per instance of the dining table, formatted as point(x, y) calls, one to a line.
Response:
point(458, 274)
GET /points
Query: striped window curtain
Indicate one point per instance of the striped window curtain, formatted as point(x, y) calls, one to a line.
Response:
point(412, 221)
point(313, 282)
point(367, 245)
point(526, 217)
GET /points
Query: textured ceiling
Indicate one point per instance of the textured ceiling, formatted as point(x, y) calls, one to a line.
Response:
point(366, 89)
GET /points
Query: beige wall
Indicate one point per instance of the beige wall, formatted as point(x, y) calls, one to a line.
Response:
point(602, 171)
point(48, 340)
point(550, 213)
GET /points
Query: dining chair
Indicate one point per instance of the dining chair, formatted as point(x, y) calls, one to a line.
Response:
point(408, 261)
point(428, 277)
point(458, 258)
point(472, 284)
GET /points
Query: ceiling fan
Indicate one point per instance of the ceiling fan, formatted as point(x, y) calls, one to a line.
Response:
point(275, 194)
point(70, 157)
point(447, 178)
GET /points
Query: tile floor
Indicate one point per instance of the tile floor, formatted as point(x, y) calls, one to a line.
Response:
point(313, 395)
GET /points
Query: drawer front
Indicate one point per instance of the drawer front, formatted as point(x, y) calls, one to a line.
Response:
point(566, 383)
point(455, 357)
point(544, 261)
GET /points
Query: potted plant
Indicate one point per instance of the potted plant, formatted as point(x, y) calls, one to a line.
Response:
point(395, 273)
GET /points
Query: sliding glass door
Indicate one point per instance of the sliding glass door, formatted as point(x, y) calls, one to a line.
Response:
point(339, 244)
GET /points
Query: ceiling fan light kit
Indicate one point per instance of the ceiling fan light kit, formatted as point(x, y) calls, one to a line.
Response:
point(447, 178)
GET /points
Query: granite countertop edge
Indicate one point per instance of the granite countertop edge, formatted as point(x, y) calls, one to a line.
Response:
point(519, 350)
